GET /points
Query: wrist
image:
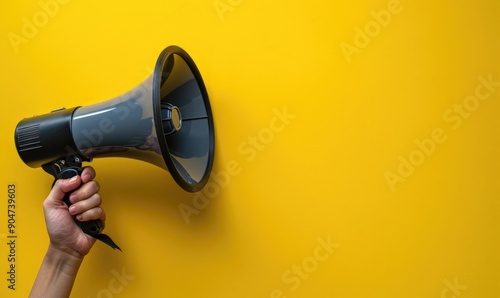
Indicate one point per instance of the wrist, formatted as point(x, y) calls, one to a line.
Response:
point(57, 274)
point(66, 260)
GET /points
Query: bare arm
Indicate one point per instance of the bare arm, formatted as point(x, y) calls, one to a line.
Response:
point(56, 275)
point(68, 244)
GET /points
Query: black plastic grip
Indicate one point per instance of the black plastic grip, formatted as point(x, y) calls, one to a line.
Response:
point(91, 227)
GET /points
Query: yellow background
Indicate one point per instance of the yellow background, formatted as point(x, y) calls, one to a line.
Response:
point(322, 176)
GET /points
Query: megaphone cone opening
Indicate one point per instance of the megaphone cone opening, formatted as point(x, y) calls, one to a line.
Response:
point(189, 152)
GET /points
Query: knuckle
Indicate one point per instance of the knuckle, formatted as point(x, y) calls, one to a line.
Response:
point(98, 199)
point(90, 170)
point(97, 185)
point(58, 183)
point(75, 197)
point(92, 186)
point(92, 214)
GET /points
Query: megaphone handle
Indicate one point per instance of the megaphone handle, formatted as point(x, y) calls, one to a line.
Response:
point(91, 227)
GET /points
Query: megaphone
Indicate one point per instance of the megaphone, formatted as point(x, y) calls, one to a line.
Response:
point(165, 121)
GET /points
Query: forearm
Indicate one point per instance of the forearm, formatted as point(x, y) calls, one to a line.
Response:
point(56, 275)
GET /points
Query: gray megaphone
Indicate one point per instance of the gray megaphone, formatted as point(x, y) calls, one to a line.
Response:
point(166, 121)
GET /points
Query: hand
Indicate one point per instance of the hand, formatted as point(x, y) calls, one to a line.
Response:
point(64, 233)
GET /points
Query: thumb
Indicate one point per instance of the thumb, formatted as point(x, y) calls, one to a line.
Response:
point(62, 187)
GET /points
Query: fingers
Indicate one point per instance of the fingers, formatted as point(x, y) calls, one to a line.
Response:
point(61, 187)
point(88, 209)
point(86, 201)
point(84, 192)
point(93, 214)
point(84, 197)
point(85, 205)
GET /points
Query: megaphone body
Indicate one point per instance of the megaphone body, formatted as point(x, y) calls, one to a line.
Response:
point(166, 121)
